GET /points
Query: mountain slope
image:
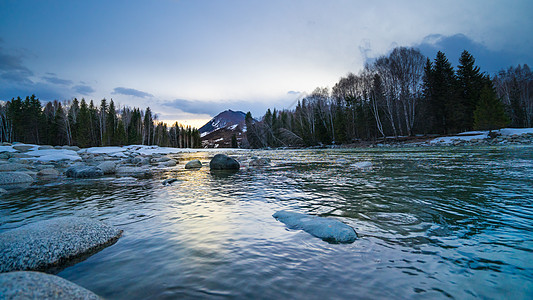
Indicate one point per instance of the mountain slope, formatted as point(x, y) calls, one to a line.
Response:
point(224, 119)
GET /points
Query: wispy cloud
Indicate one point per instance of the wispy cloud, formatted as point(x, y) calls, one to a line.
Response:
point(55, 80)
point(12, 68)
point(83, 89)
point(131, 92)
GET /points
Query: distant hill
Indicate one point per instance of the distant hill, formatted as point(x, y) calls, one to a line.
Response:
point(218, 131)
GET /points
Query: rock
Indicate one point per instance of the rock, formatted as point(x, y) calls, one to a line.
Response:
point(223, 162)
point(45, 147)
point(23, 147)
point(49, 173)
point(193, 164)
point(52, 244)
point(133, 171)
point(140, 160)
point(169, 181)
point(160, 159)
point(169, 163)
point(329, 230)
point(108, 167)
point(9, 167)
point(84, 172)
point(35, 285)
point(362, 165)
point(12, 180)
point(73, 148)
point(260, 162)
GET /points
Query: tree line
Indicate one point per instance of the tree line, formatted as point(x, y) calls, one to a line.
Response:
point(84, 124)
point(401, 94)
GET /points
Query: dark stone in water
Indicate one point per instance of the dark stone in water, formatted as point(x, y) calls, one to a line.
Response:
point(169, 181)
point(35, 285)
point(84, 172)
point(50, 244)
point(223, 162)
point(329, 230)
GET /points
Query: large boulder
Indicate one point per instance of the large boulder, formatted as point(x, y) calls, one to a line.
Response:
point(13, 180)
point(51, 244)
point(329, 230)
point(35, 285)
point(223, 162)
point(193, 164)
point(84, 172)
point(133, 171)
point(108, 167)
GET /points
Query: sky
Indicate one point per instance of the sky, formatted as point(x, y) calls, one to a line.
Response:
point(190, 60)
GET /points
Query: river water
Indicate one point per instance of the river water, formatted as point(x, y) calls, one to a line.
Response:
point(432, 223)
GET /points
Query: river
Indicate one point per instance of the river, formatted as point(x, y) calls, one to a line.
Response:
point(435, 222)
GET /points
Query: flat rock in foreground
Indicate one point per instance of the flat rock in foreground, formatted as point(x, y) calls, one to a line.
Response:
point(35, 285)
point(52, 243)
point(330, 230)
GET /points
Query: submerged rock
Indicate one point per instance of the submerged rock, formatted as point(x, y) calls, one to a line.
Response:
point(223, 162)
point(193, 164)
point(259, 162)
point(36, 285)
point(12, 180)
point(330, 230)
point(362, 165)
point(50, 244)
point(84, 172)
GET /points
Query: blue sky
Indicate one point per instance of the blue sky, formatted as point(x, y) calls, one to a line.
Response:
point(189, 60)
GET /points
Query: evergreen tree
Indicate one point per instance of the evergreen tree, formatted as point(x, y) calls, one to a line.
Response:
point(83, 137)
point(490, 113)
point(470, 83)
point(443, 101)
point(111, 124)
point(234, 141)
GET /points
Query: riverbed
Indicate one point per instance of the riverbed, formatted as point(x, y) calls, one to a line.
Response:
point(433, 222)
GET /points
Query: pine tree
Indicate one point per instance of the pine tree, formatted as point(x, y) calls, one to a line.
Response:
point(234, 141)
point(444, 104)
point(490, 113)
point(470, 83)
point(111, 124)
point(83, 136)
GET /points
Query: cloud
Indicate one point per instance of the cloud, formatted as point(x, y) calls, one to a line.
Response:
point(12, 69)
point(131, 92)
point(256, 106)
point(83, 89)
point(54, 80)
point(490, 61)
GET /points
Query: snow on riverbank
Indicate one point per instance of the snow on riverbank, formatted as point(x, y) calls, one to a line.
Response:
point(480, 135)
point(66, 153)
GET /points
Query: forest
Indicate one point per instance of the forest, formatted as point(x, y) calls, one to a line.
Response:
point(401, 94)
point(83, 124)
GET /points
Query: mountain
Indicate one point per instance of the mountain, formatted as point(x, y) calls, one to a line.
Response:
point(222, 120)
point(218, 132)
